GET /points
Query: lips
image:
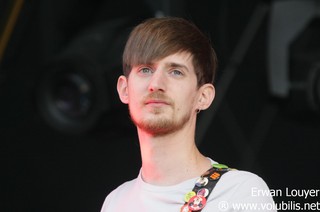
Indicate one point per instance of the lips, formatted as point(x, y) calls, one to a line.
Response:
point(156, 102)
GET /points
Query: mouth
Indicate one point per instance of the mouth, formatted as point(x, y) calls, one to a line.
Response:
point(156, 102)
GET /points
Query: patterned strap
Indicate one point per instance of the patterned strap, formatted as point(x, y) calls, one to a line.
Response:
point(196, 199)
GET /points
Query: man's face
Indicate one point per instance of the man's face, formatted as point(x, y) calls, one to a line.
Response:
point(162, 95)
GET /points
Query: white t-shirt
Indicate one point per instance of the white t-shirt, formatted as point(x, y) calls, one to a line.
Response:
point(235, 191)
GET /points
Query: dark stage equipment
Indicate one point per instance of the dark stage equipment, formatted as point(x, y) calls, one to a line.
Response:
point(73, 91)
point(293, 57)
point(294, 53)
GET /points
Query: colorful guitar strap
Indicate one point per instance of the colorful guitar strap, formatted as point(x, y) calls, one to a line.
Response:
point(196, 199)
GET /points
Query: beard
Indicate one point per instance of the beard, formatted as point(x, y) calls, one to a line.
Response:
point(160, 122)
point(159, 125)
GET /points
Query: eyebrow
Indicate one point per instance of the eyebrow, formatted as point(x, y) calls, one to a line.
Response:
point(177, 65)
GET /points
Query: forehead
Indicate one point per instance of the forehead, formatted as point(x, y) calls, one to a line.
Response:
point(179, 60)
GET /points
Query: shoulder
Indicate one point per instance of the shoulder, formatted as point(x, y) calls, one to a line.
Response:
point(236, 190)
point(118, 193)
point(123, 188)
point(237, 185)
point(238, 177)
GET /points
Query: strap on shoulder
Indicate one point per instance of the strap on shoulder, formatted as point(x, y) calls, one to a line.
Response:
point(196, 199)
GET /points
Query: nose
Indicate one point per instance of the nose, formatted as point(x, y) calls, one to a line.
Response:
point(157, 81)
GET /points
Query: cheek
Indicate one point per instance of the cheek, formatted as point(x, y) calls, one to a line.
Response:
point(134, 99)
point(187, 103)
point(133, 102)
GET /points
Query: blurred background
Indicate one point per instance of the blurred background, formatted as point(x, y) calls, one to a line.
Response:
point(66, 140)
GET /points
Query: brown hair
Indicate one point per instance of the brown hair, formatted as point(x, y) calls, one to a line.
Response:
point(157, 38)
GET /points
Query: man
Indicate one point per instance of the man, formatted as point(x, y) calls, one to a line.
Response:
point(169, 67)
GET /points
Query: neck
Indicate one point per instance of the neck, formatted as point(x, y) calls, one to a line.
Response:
point(171, 159)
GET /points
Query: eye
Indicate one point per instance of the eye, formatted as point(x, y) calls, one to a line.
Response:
point(176, 72)
point(145, 70)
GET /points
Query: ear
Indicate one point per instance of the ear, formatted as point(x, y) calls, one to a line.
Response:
point(122, 87)
point(206, 96)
